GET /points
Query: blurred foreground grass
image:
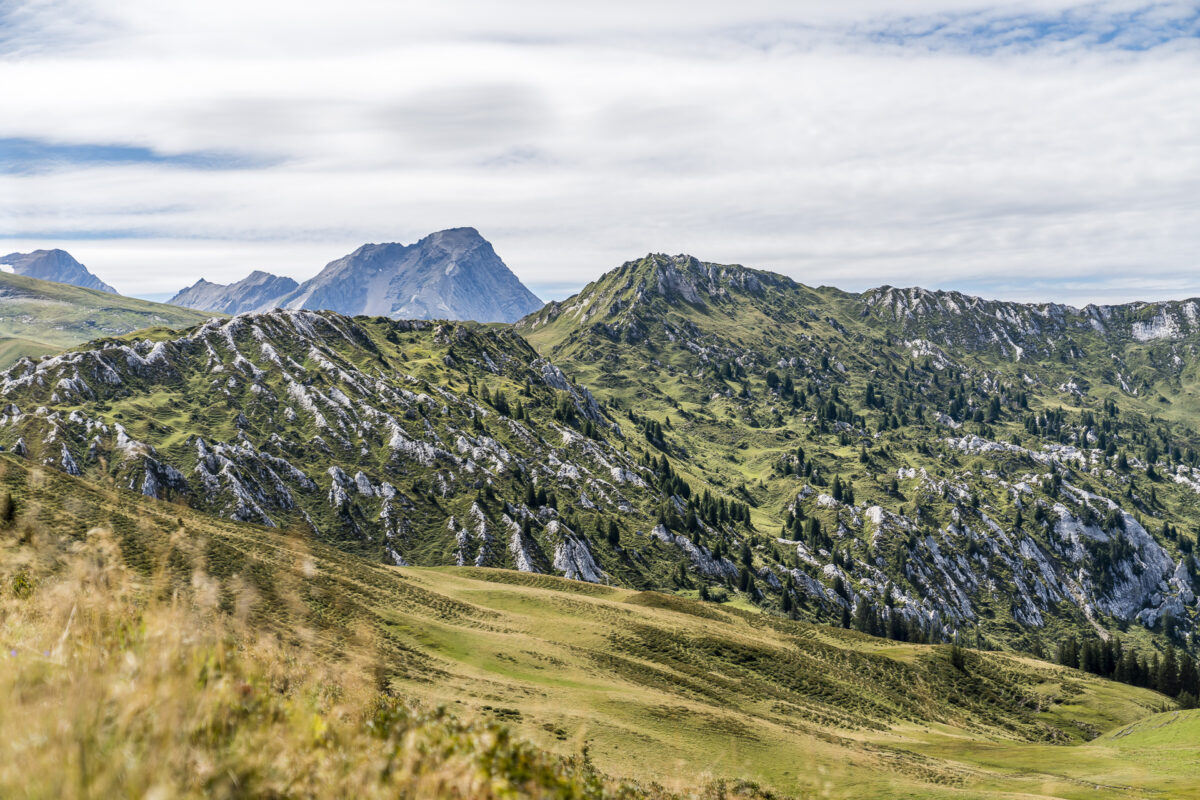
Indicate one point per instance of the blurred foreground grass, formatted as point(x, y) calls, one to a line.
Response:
point(115, 686)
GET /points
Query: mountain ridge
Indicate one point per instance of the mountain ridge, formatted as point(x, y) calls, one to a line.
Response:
point(660, 335)
point(686, 277)
point(256, 292)
point(449, 274)
point(796, 445)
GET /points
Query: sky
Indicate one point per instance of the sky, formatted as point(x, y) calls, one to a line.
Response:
point(1040, 150)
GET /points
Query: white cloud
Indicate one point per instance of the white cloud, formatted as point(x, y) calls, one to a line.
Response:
point(577, 139)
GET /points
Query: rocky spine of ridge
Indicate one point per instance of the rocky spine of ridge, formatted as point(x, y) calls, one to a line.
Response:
point(298, 420)
point(953, 319)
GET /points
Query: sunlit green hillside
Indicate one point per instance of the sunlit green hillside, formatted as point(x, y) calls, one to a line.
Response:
point(155, 648)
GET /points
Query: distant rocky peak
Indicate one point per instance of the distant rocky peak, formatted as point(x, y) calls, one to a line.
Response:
point(53, 265)
point(450, 274)
point(257, 291)
point(455, 240)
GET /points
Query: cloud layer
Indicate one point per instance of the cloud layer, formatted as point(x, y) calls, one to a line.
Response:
point(1037, 151)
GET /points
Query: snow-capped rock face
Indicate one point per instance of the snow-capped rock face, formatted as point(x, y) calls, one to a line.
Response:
point(53, 265)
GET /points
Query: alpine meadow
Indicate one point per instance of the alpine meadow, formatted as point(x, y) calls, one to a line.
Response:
point(829, 429)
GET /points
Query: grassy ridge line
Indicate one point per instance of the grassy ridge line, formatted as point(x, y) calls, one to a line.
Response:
point(659, 688)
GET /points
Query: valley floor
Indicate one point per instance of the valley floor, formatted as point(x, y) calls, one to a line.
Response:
point(544, 657)
point(149, 649)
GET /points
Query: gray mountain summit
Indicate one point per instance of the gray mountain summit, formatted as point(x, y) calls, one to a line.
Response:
point(53, 265)
point(451, 274)
point(258, 291)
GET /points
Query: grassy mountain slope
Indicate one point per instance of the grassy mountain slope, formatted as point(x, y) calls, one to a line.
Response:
point(13, 348)
point(38, 317)
point(222, 658)
point(1015, 473)
point(728, 693)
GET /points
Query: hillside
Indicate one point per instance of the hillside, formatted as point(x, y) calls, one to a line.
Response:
point(40, 316)
point(1019, 472)
point(412, 442)
point(275, 663)
point(805, 451)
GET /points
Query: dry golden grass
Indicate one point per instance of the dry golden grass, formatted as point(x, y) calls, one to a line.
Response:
point(116, 686)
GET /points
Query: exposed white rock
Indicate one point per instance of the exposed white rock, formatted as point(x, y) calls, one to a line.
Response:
point(573, 559)
point(701, 557)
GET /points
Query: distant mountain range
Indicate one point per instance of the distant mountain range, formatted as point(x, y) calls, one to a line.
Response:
point(53, 265)
point(258, 291)
point(50, 301)
point(452, 274)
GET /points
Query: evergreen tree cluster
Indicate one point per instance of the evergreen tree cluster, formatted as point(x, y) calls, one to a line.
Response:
point(887, 623)
point(1173, 673)
point(714, 510)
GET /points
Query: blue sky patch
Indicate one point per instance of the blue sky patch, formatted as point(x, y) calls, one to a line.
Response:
point(20, 156)
point(984, 32)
